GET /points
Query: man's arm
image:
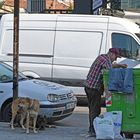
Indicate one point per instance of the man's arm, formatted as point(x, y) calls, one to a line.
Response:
point(117, 65)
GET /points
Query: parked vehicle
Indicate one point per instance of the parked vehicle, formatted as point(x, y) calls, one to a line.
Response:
point(56, 101)
point(62, 47)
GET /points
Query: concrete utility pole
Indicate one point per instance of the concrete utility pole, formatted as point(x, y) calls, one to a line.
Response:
point(15, 49)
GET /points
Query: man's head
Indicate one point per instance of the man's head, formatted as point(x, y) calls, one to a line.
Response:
point(114, 53)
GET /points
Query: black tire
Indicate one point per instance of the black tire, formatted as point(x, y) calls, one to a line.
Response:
point(7, 112)
point(129, 135)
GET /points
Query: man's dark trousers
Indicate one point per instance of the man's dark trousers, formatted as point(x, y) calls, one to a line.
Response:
point(94, 105)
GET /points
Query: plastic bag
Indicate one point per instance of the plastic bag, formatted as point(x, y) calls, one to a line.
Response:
point(104, 127)
point(117, 120)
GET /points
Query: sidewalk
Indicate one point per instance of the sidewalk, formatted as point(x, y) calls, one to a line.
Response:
point(58, 133)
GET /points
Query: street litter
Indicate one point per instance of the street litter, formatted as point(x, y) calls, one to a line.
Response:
point(108, 125)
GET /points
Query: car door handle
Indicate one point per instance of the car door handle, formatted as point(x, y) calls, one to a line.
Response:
point(1, 91)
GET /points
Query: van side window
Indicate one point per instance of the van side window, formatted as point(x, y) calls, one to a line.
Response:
point(81, 48)
point(128, 45)
point(32, 41)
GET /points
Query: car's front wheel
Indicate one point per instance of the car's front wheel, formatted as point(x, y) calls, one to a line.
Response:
point(7, 112)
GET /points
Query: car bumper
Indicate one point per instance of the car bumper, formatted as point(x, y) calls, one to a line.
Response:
point(54, 112)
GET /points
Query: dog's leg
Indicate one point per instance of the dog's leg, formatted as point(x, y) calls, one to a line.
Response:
point(21, 121)
point(14, 112)
point(27, 122)
point(12, 122)
point(34, 123)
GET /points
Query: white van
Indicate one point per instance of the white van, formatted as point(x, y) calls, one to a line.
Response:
point(61, 48)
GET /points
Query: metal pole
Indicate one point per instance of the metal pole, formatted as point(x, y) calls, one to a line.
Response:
point(15, 49)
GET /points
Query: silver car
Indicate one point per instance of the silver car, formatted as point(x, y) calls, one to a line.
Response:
point(56, 101)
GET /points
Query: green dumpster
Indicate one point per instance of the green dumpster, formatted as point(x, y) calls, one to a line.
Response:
point(129, 104)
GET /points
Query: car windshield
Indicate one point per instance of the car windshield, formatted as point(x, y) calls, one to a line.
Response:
point(6, 74)
point(138, 35)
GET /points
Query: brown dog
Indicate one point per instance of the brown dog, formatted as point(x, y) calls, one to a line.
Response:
point(27, 108)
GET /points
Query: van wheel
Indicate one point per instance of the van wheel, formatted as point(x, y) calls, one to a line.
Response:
point(7, 112)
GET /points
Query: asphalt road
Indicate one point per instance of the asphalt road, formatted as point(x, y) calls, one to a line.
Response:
point(74, 127)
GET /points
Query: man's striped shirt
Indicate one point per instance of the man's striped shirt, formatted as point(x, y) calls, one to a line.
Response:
point(95, 75)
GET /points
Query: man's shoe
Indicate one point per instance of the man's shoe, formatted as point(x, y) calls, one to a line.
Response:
point(91, 134)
